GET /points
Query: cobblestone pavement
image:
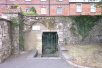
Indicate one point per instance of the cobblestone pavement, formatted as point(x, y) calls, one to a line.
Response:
point(21, 61)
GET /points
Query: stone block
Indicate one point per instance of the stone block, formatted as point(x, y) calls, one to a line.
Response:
point(6, 31)
point(0, 27)
point(9, 51)
point(0, 31)
point(66, 56)
point(5, 23)
point(4, 57)
point(32, 54)
point(4, 34)
point(60, 39)
point(4, 26)
point(62, 48)
point(0, 46)
point(0, 42)
point(0, 36)
point(0, 55)
point(60, 33)
point(1, 23)
point(39, 37)
point(0, 60)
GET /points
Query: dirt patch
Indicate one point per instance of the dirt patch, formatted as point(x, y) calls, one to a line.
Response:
point(86, 54)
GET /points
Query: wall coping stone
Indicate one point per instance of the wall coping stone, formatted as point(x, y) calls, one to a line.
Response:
point(53, 15)
point(11, 12)
point(5, 19)
point(45, 16)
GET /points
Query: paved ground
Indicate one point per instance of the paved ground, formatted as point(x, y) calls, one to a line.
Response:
point(22, 61)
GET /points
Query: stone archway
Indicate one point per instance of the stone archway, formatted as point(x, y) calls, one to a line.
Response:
point(46, 24)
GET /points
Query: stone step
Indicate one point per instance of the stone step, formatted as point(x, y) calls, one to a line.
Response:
point(66, 56)
point(62, 48)
point(32, 54)
point(38, 55)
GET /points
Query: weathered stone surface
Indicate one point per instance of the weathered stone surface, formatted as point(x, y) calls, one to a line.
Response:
point(66, 56)
point(62, 26)
point(0, 42)
point(62, 48)
point(5, 43)
point(0, 46)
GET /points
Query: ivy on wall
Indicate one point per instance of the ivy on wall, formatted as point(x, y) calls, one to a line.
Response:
point(83, 24)
point(14, 21)
point(17, 23)
point(21, 39)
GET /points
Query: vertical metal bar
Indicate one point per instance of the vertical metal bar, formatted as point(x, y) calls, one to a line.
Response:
point(49, 7)
point(46, 41)
point(50, 40)
point(43, 41)
point(6, 3)
point(56, 41)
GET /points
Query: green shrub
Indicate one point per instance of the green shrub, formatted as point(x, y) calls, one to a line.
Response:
point(33, 10)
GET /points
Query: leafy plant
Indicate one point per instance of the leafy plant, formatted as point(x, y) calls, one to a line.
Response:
point(33, 10)
point(14, 21)
point(84, 24)
point(99, 5)
point(21, 43)
point(53, 51)
point(15, 5)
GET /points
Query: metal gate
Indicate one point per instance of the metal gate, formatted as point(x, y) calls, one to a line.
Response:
point(49, 42)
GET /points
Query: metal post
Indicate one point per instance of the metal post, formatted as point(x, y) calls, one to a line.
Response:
point(49, 7)
point(6, 3)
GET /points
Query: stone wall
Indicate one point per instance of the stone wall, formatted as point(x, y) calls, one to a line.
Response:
point(59, 24)
point(96, 33)
point(62, 25)
point(33, 38)
point(16, 31)
point(11, 35)
point(5, 40)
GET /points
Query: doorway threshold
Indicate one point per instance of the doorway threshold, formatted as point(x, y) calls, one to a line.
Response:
point(35, 55)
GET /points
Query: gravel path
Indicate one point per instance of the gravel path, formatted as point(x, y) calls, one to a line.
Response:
point(21, 61)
